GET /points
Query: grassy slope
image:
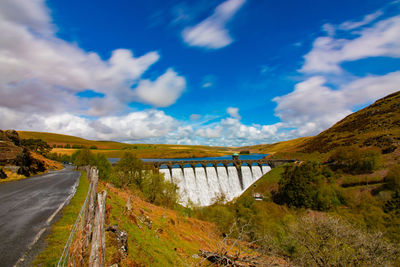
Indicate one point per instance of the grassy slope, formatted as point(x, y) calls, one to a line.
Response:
point(116, 149)
point(376, 125)
point(172, 240)
point(61, 229)
point(284, 146)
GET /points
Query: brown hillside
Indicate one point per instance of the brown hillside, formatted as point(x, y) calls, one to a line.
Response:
point(376, 125)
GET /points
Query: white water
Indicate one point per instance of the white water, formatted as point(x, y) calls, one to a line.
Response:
point(202, 185)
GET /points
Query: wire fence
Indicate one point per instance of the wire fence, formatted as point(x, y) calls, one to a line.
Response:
point(63, 261)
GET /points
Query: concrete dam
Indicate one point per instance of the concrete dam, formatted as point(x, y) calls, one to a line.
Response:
point(200, 182)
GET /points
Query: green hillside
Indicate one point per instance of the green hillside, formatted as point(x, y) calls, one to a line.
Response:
point(376, 125)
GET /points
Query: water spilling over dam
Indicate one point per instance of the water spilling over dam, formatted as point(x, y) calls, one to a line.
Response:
point(201, 185)
point(201, 181)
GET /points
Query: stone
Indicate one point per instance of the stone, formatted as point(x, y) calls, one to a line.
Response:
point(128, 205)
point(121, 238)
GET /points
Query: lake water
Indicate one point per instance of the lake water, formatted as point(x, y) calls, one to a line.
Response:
point(227, 157)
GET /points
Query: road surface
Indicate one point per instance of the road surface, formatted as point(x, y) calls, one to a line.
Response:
point(27, 209)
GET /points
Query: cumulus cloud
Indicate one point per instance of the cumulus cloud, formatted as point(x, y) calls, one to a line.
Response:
point(234, 112)
point(380, 39)
point(37, 65)
point(162, 92)
point(212, 33)
point(313, 106)
point(130, 127)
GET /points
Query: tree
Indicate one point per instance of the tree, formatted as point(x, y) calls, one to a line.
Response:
point(130, 170)
point(103, 165)
point(159, 191)
point(307, 186)
point(83, 157)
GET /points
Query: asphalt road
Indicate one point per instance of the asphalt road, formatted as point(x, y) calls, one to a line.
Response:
point(27, 209)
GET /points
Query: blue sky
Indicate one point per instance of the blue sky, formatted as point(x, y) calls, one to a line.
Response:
point(233, 72)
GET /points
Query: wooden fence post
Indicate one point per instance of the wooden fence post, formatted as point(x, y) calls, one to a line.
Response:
point(94, 177)
point(96, 258)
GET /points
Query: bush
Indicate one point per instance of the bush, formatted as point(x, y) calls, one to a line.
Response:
point(330, 241)
point(93, 147)
point(104, 166)
point(3, 175)
point(28, 164)
point(159, 191)
point(83, 158)
point(59, 157)
point(36, 145)
point(306, 186)
point(392, 178)
point(355, 160)
point(129, 170)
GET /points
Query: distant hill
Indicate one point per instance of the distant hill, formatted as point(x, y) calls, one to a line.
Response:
point(376, 125)
point(65, 144)
point(63, 140)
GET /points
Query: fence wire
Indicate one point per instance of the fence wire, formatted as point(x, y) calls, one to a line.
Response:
point(64, 256)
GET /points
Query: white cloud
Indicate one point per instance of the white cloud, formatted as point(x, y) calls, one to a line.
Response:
point(162, 92)
point(234, 112)
point(350, 25)
point(210, 132)
point(380, 39)
point(132, 126)
point(313, 107)
point(211, 33)
point(41, 72)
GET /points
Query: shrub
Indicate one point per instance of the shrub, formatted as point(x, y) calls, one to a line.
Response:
point(93, 147)
point(103, 165)
point(330, 241)
point(392, 178)
point(129, 169)
point(83, 158)
point(36, 145)
point(28, 164)
point(59, 157)
point(159, 191)
point(306, 186)
point(3, 175)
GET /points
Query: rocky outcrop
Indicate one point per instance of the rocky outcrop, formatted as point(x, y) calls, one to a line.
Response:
point(9, 149)
point(12, 153)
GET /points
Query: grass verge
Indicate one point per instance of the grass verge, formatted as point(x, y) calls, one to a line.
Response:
point(60, 231)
